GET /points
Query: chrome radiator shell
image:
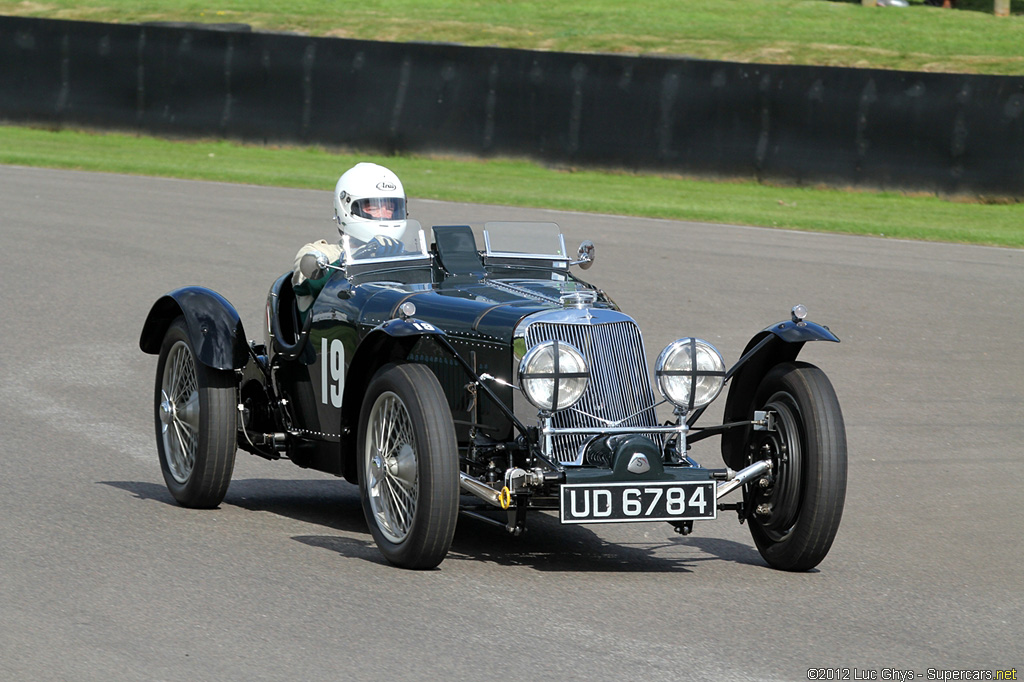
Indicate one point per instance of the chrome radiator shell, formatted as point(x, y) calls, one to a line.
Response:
point(620, 392)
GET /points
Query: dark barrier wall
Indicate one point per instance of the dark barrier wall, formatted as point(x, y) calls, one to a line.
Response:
point(939, 132)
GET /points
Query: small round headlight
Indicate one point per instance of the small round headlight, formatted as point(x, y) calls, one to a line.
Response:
point(553, 376)
point(690, 373)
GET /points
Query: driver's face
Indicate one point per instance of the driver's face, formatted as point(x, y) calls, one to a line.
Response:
point(380, 210)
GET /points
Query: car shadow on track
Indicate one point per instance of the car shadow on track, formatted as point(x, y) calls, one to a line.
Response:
point(550, 546)
point(319, 502)
point(546, 546)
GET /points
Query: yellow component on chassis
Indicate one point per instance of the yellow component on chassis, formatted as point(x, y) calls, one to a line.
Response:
point(505, 498)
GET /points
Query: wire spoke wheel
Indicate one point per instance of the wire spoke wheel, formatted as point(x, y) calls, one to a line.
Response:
point(178, 412)
point(195, 422)
point(795, 517)
point(408, 466)
point(391, 467)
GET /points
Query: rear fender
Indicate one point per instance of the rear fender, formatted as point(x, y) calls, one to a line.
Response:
point(391, 341)
point(780, 342)
point(214, 327)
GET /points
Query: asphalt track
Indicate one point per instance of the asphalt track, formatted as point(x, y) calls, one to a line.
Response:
point(103, 577)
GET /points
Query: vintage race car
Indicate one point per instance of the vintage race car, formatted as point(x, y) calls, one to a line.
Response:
point(495, 383)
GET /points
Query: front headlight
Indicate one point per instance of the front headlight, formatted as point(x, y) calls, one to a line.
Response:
point(553, 376)
point(690, 373)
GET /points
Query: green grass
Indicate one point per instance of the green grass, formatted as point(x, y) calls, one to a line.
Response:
point(918, 38)
point(521, 183)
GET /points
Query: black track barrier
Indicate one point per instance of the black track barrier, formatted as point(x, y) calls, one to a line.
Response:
point(943, 133)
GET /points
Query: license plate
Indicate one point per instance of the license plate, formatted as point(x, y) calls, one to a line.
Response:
point(626, 502)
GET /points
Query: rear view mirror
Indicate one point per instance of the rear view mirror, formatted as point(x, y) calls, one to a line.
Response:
point(585, 255)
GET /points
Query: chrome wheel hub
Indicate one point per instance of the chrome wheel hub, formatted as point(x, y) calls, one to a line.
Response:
point(166, 412)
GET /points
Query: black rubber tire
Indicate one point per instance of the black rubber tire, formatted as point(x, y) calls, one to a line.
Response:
point(197, 449)
point(431, 479)
point(809, 476)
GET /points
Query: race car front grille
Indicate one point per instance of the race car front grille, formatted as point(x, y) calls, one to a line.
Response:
point(620, 386)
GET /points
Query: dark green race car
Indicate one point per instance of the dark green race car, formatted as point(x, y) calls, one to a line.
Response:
point(447, 379)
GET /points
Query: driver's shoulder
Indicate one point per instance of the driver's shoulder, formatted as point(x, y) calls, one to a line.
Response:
point(332, 251)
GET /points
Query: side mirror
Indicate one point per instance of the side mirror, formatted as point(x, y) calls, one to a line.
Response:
point(313, 265)
point(585, 255)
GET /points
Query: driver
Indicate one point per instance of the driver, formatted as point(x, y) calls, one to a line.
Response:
point(369, 207)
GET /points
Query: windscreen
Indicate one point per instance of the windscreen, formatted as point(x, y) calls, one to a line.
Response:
point(525, 240)
point(411, 246)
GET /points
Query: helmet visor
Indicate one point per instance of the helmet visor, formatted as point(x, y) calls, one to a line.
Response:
point(379, 208)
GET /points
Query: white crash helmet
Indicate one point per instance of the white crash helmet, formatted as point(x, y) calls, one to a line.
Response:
point(369, 200)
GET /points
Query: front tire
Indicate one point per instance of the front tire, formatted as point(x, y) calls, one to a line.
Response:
point(195, 422)
point(795, 519)
point(408, 466)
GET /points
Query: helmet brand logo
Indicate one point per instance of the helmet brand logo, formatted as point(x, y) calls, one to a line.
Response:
point(386, 186)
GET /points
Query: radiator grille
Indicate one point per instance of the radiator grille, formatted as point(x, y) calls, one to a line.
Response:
point(619, 383)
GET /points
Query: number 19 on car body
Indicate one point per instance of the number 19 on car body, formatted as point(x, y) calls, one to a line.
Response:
point(638, 501)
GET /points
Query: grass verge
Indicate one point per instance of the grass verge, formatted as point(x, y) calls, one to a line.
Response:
point(915, 38)
point(527, 184)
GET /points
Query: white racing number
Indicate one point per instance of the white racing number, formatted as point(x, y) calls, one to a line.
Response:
point(332, 372)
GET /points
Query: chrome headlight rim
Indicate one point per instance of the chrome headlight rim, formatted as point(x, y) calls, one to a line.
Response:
point(697, 352)
point(529, 373)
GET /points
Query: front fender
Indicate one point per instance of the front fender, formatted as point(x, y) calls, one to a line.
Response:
point(391, 341)
point(778, 343)
point(214, 326)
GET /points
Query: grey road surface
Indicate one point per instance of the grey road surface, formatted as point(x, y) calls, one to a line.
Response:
point(103, 577)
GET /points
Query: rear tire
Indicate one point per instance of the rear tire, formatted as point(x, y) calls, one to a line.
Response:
point(408, 466)
point(794, 521)
point(196, 427)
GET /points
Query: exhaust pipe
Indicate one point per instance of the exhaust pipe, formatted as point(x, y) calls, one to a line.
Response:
point(744, 476)
point(475, 487)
